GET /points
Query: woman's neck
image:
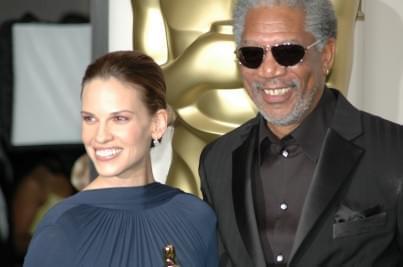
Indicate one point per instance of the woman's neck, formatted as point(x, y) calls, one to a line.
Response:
point(139, 178)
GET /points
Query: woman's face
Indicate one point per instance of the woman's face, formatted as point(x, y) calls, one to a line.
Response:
point(117, 128)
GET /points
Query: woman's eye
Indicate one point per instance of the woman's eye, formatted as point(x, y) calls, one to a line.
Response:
point(88, 119)
point(121, 118)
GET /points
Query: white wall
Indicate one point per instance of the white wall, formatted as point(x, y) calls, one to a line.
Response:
point(120, 25)
point(112, 27)
point(377, 78)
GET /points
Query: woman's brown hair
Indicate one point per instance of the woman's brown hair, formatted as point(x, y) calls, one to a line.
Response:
point(135, 68)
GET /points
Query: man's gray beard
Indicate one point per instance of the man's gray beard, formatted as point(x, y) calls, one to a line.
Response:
point(296, 114)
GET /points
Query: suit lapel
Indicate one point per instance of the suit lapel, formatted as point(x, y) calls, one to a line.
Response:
point(338, 158)
point(243, 168)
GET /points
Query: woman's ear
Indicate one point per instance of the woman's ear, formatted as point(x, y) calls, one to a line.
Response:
point(328, 53)
point(159, 124)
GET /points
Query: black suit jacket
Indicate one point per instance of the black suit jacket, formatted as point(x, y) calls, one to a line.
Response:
point(353, 212)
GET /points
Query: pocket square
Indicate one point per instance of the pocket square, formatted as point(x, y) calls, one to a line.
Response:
point(346, 214)
point(351, 222)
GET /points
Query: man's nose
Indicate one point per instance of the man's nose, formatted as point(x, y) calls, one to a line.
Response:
point(270, 67)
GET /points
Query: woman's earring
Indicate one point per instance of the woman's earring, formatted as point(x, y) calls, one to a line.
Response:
point(156, 142)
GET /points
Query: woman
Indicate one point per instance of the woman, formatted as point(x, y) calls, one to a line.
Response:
point(124, 217)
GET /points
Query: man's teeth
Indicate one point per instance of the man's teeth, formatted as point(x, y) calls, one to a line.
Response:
point(275, 92)
point(107, 152)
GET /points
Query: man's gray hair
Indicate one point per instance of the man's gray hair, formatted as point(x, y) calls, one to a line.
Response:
point(320, 17)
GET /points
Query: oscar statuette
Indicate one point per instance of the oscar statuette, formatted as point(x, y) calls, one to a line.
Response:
point(169, 256)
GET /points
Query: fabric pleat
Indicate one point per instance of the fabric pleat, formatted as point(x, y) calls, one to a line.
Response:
point(130, 227)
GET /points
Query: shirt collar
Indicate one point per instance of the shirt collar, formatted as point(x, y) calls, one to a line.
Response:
point(311, 132)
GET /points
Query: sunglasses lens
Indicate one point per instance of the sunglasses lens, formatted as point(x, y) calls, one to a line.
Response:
point(250, 56)
point(285, 54)
point(288, 54)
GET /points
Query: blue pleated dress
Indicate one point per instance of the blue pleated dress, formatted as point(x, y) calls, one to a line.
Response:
point(125, 227)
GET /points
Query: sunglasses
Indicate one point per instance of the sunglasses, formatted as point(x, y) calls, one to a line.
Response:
point(286, 54)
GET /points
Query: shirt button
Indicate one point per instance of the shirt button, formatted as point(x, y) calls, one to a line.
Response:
point(279, 258)
point(283, 206)
point(284, 153)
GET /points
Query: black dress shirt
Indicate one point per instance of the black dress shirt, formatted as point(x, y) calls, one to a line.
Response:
point(286, 168)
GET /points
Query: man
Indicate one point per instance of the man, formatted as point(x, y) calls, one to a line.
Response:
point(311, 180)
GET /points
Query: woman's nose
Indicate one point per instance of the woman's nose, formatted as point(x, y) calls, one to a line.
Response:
point(103, 133)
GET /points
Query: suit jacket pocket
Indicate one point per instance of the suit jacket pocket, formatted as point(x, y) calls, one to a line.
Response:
point(362, 226)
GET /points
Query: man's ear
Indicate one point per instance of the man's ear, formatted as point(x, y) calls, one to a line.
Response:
point(159, 124)
point(328, 54)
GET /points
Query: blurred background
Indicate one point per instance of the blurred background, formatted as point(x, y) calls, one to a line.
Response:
point(45, 46)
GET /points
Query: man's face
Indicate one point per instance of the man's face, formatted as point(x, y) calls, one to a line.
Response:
point(284, 95)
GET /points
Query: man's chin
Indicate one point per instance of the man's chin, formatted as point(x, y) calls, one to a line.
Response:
point(280, 119)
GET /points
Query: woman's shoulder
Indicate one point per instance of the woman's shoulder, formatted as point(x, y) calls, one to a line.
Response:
point(188, 199)
point(192, 201)
point(56, 212)
point(192, 207)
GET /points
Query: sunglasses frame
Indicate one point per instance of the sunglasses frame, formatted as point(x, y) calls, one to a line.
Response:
point(268, 48)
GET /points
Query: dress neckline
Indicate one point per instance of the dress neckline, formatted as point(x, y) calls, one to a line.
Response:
point(144, 196)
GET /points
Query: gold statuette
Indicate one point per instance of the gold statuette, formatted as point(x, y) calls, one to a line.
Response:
point(170, 256)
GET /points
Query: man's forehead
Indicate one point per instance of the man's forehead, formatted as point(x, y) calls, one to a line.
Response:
point(273, 17)
point(278, 22)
